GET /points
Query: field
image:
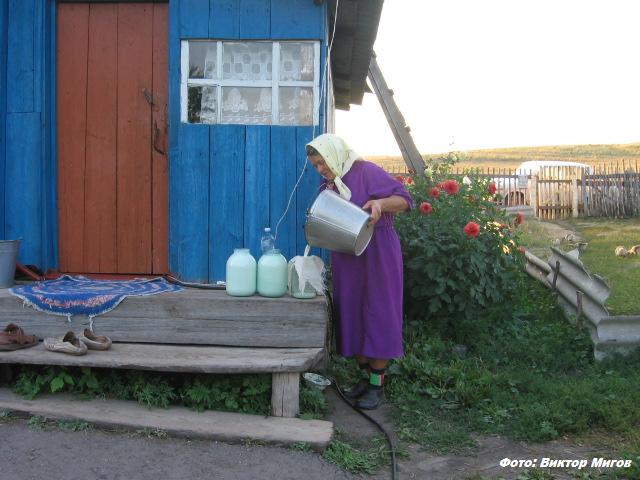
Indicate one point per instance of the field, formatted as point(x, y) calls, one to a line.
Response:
point(596, 155)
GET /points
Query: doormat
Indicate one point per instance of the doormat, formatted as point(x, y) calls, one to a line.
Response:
point(77, 295)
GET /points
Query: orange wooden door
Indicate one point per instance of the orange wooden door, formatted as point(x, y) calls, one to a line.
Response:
point(111, 103)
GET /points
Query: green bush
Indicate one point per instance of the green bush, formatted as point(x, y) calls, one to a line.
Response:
point(460, 252)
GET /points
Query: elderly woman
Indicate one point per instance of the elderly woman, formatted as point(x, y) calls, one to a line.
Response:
point(367, 290)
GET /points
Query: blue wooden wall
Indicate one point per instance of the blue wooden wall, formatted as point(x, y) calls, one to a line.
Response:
point(27, 202)
point(228, 182)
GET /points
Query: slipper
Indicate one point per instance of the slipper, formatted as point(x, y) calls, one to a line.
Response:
point(68, 344)
point(14, 338)
point(95, 342)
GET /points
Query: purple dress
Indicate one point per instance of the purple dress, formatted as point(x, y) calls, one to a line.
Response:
point(367, 290)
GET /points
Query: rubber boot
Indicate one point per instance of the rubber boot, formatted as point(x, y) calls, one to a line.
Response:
point(371, 399)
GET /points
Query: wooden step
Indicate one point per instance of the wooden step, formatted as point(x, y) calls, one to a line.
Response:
point(191, 316)
point(176, 358)
point(176, 421)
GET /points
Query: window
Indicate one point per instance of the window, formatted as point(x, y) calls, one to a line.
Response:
point(251, 83)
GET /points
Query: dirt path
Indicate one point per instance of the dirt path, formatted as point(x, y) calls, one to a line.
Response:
point(31, 453)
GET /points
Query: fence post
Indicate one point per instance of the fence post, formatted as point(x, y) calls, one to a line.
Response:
point(574, 197)
point(533, 194)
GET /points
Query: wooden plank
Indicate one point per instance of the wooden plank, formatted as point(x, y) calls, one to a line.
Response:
point(252, 15)
point(171, 358)
point(256, 187)
point(300, 19)
point(226, 187)
point(100, 201)
point(23, 188)
point(49, 158)
point(285, 394)
point(160, 180)
point(224, 19)
point(20, 56)
point(3, 106)
point(135, 55)
point(189, 200)
point(72, 43)
point(194, 18)
point(176, 421)
point(307, 189)
point(174, 86)
point(283, 176)
point(191, 317)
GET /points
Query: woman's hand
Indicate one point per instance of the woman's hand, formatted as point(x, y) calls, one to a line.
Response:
point(376, 210)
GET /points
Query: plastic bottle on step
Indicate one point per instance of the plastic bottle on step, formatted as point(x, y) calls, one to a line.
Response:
point(268, 242)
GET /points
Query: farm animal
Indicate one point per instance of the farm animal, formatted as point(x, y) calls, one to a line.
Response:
point(623, 252)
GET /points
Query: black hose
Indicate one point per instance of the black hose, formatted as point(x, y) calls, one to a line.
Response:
point(375, 422)
point(204, 286)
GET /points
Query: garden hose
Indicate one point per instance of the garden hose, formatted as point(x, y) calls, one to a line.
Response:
point(376, 423)
point(203, 286)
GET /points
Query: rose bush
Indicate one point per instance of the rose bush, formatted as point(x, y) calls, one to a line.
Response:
point(460, 250)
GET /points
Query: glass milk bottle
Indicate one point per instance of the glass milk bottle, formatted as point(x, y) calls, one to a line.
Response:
point(241, 273)
point(272, 274)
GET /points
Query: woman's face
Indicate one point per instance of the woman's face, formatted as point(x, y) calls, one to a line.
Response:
point(321, 166)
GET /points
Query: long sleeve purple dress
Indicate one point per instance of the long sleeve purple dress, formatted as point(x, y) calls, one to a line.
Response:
point(367, 290)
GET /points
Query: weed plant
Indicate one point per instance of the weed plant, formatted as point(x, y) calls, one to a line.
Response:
point(236, 393)
point(527, 373)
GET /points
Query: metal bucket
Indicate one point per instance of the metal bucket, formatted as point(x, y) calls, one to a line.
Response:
point(8, 258)
point(337, 224)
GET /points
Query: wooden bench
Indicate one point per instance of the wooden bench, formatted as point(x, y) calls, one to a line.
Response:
point(204, 331)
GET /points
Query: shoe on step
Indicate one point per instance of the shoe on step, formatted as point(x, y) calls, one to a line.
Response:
point(14, 338)
point(95, 342)
point(371, 399)
point(357, 390)
point(68, 344)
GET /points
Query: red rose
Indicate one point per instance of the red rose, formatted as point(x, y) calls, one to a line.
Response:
point(400, 178)
point(451, 187)
point(472, 229)
point(492, 188)
point(409, 180)
point(435, 192)
point(426, 208)
point(519, 219)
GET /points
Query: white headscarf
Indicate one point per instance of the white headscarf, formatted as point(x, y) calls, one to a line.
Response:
point(338, 156)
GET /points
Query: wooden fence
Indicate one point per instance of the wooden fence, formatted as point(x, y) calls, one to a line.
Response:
point(613, 192)
point(561, 192)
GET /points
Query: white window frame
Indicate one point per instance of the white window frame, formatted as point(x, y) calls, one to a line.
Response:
point(275, 84)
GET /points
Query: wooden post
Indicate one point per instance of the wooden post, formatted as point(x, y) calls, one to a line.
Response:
point(285, 394)
point(533, 194)
point(574, 197)
point(556, 272)
point(579, 309)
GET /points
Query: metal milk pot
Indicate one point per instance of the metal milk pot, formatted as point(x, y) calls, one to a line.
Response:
point(337, 224)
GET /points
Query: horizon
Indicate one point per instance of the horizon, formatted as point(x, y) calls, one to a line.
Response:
point(516, 147)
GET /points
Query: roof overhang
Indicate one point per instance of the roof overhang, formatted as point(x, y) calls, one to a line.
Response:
point(355, 33)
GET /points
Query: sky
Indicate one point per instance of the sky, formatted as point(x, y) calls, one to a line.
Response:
point(470, 74)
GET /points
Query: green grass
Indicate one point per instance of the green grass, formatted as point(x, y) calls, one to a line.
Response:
point(358, 455)
point(528, 374)
point(537, 237)
point(622, 273)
